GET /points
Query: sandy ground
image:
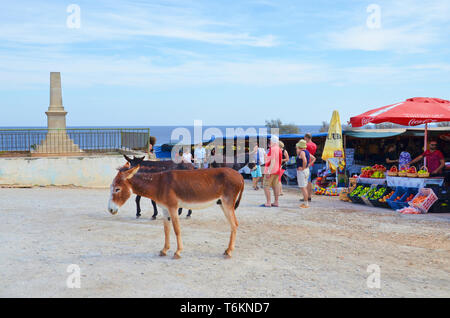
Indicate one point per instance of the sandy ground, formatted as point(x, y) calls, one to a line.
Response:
point(280, 252)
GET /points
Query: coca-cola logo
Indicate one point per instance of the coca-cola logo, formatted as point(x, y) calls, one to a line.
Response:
point(366, 120)
point(415, 122)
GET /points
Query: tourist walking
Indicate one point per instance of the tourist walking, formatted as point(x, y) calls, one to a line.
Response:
point(255, 171)
point(257, 156)
point(303, 161)
point(199, 156)
point(272, 171)
point(284, 161)
point(187, 156)
point(312, 148)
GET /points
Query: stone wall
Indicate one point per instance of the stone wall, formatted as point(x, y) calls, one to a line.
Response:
point(97, 171)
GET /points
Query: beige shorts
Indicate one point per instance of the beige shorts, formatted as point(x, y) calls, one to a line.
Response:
point(270, 180)
point(302, 178)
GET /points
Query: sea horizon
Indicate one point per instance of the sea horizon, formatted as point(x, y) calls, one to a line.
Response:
point(163, 133)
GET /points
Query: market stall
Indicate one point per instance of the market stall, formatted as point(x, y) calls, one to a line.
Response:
point(403, 188)
point(413, 182)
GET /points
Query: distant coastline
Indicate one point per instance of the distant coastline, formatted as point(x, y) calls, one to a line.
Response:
point(163, 133)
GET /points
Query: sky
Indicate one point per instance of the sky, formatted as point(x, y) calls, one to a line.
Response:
point(233, 62)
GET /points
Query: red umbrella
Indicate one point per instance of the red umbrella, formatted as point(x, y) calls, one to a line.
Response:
point(412, 112)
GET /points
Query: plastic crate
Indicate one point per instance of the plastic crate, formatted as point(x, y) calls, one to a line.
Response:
point(355, 198)
point(425, 205)
point(402, 203)
point(378, 204)
point(440, 206)
point(365, 197)
point(358, 199)
point(399, 191)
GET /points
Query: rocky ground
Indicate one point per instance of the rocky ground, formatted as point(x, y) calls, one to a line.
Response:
point(323, 251)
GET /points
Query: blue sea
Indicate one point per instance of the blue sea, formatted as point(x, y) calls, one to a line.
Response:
point(163, 133)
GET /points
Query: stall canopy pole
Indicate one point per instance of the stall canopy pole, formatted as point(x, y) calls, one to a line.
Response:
point(425, 147)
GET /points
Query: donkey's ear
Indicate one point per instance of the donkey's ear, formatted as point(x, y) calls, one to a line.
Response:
point(131, 172)
point(125, 166)
point(127, 158)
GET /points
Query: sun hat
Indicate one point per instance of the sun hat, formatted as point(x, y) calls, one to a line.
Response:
point(301, 144)
point(274, 139)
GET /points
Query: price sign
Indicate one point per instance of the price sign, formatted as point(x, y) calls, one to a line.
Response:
point(338, 154)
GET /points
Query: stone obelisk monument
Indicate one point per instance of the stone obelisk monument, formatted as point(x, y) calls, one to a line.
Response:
point(57, 140)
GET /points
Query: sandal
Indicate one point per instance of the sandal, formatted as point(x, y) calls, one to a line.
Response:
point(304, 206)
point(274, 205)
point(264, 206)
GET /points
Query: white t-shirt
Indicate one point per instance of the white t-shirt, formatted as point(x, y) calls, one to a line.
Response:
point(200, 153)
point(261, 155)
point(187, 157)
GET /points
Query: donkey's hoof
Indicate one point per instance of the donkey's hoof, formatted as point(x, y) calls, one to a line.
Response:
point(162, 253)
point(153, 217)
point(227, 255)
point(176, 256)
point(188, 216)
point(138, 216)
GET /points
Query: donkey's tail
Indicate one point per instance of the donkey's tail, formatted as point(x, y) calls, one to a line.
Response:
point(236, 205)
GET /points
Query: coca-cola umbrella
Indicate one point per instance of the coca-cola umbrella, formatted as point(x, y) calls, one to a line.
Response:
point(412, 112)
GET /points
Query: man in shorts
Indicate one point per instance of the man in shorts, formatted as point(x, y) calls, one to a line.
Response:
point(303, 161)
point(271, 172)
point(312, 148)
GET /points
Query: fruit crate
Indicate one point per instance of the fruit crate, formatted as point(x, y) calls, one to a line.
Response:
point(440, 206)
point(356, 198)
point(365, 197)
point(402, 203)
point(353, 198)
point(399, 192)
point(425, 205)
point(379, 204)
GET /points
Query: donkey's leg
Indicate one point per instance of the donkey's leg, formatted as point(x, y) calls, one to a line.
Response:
point(155, 210)
point(189, 214)
point(228, 210)
point(176, 227)
point(180, 210)
point(138, 206)
point(166, 233)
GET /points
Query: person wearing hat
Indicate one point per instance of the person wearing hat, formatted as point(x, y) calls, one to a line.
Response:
point(283, 164)
point(303, 161)
point(151, 151)
point(312, 148)
point(271, 172)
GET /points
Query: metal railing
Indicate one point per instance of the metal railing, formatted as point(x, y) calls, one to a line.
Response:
point(72, 140)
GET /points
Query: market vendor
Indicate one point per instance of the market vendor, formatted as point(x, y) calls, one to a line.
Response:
point(391, 155)
point(435, 159)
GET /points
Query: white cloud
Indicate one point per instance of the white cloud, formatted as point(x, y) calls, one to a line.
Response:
point(406, 27)
point(399, 39)
point(120, 21)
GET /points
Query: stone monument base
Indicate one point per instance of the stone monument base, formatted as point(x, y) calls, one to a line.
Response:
point(57, 142)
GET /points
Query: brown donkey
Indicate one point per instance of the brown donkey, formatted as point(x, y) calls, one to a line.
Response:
point(194, 189)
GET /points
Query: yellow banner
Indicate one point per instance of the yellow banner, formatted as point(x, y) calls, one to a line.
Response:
point(334, 148)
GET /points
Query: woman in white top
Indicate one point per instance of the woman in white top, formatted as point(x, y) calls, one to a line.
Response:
point(187, 156)
point(199, 156)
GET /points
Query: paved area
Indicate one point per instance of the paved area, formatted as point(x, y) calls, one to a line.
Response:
point(323, 251)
